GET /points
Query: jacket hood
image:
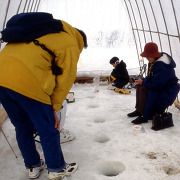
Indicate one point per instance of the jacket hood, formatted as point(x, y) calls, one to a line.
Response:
point(167, 59)
point(25, 27)
point(122, 63)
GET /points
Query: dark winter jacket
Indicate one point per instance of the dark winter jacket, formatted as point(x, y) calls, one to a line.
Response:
point(121, 74)
point(162, 86)
point(26, 27)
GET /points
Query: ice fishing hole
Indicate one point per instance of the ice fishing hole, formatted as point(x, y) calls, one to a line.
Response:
point(102, 139)
point(99, 120)
point(111, 168)
point(169, 170)
point(93, 105)
point(91, 96)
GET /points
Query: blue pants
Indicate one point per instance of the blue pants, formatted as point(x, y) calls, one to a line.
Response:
point(27, 114)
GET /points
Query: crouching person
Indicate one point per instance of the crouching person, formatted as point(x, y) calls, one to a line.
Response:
point(119, 76)
point(159, 89)
point(37, 72)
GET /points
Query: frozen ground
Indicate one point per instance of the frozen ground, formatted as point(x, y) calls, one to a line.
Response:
point(106, 147)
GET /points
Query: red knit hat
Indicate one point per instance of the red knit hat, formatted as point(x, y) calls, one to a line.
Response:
point(151, 50)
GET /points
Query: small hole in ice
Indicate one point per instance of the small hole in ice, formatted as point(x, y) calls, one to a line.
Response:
point(93, 105)
point(111, 168)
point(99, 120)
point(102, 139)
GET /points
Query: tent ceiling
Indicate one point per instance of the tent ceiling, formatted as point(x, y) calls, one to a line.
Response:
point(150, 20)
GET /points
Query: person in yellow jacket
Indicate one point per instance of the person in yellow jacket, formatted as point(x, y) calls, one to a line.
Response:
point(31, 93)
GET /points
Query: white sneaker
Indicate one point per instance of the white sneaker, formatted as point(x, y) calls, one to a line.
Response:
point(67, 171)
point(35, 171)
point(65, 136)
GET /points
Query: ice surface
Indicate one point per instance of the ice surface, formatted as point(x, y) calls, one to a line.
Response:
point(106, 147)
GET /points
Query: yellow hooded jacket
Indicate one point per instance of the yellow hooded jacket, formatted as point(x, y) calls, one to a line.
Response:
point(25, 67)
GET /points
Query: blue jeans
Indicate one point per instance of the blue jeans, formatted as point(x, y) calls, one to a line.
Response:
point(27, 114)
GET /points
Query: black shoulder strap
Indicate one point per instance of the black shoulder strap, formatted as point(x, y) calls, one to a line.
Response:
point(36, 42)
point(56, 70)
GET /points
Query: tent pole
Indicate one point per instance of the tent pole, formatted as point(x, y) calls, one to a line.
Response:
point(9, 143)
point(132, 28)
point(7, 9)
point(156, 24)
point(141, 66)
point(175, 16)
point(38, 5)
point(35, 6)
point(25, 6)
point(19, 7)
point(147, 19)
point(141, 21)
point(166, 27)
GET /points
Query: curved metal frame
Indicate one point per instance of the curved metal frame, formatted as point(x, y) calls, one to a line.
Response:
point(19, 7)
point(38, 5)
point(28, 7)
point(35, 6)
point(156, 24)
point(140, 66)
point(32, 6)
point(165, 27)
point(155, 20)
point(135, 24)
point(147, 19)
point(175, 19)
point(141, 20)
point(132, 28)
point(7, 9)
point(5, 17)
point(25, 5)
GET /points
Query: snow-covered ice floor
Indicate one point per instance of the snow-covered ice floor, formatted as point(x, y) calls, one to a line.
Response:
point(106, 147)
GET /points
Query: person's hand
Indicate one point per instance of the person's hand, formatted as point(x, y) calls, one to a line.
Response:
point(57, 122)
point(139, 81)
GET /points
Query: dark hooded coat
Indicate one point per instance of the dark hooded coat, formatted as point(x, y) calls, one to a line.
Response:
point(121, 74)
point(162, 86)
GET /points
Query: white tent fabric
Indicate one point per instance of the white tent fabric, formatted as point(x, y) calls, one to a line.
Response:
point(114, 28)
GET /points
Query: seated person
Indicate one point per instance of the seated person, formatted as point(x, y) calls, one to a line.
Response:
point(119, 76)
point(158, 90)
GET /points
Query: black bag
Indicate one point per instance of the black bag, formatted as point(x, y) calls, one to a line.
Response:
point(162, 121)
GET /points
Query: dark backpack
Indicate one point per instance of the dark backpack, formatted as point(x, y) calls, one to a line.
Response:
point(26, 27)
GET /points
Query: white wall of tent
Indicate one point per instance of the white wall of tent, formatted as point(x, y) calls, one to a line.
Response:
point(113, 27)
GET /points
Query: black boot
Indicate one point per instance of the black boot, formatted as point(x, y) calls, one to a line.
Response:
point(134, 114)
point(139, 120)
